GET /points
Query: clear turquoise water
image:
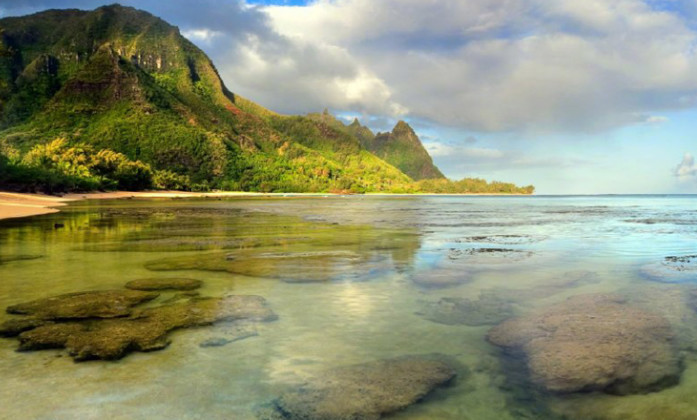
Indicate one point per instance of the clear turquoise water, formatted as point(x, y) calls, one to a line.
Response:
point(368, 306)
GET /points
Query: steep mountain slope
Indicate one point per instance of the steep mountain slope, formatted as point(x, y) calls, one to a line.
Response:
point(401, 148)
point(121, 79)
point(364, 135)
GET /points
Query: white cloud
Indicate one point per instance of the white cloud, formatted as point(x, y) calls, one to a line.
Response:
point(686, 170)
point(502, 65)
point(656, 119)
point(438, 149)
point(203, 35)
point(294, 76)
point(481, 153)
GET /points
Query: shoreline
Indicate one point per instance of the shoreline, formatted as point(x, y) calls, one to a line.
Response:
point(19, 205)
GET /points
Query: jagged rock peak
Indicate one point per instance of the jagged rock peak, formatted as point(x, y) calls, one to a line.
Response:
point(402, 127)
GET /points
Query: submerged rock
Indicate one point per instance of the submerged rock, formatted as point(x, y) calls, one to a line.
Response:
point(215, 342)
point(503, 239)
point(292, 267)
point(673, 269)
point(145, 330)
point(95, 304)
point(172, 283)
point(181, 244)
point(12, 258)
point(182, 296)
point(237, 332)
point(594, 343)
point(441, 278)
point(365, 391)
point(488, 309)
point(488, 255)
point(548, 287)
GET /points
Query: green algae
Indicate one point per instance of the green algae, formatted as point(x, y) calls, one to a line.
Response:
point(81, 305)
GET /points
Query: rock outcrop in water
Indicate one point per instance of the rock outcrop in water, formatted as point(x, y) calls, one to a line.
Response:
point(171, 283)
point(594, 343)
point(365, 391)
point(107, 336)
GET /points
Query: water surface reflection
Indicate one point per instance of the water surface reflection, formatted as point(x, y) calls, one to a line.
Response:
point(355, 280)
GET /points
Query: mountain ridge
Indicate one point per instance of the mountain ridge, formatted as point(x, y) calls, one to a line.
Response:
point(402, 148)
point(116, 97)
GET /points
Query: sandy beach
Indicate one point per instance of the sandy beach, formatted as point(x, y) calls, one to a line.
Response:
point(13, 205)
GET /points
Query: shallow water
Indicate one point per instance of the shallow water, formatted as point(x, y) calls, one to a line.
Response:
point(349, 279)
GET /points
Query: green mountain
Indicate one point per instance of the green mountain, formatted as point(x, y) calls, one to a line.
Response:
point(364, 135)
point(118, 98)
point(122, 80)
point(401, 148)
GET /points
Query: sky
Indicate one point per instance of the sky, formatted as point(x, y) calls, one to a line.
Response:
point(574, 97)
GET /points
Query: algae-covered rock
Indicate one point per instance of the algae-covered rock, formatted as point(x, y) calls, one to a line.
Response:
point(94, 304)
point(145, 330)
point(13, 327)
point(594, 343)
point(488, 309)
point(365, 391)
point(172, 283)
point(292, 267)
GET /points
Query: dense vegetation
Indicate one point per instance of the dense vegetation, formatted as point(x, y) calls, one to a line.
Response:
point(117, 98)
point(58, 167)
point(470, 186)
